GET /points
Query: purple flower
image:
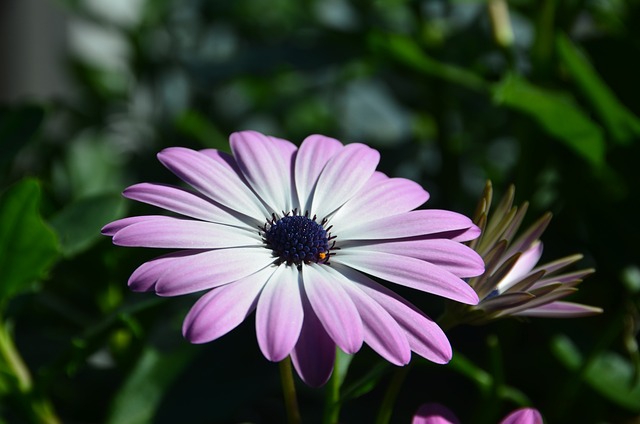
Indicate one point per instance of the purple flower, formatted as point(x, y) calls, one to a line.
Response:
point(295, 234)
point(514, 284)
point(434, 413)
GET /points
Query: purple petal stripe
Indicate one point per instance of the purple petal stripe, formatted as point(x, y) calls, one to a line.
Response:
point(333, 307)
point(279, 314)
point(173, 233)
point(211, 269)
point(314, 153)
point(314, 354)
point(410, 224)
point(224, 308)
point(343, 175)
point(266, 164)
point(409, 272)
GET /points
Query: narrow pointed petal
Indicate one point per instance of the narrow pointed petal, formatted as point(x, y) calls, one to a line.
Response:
point(525, 263)
point(381, 332)
point(214, 179)
point(113, 227)
point(211, 269)
point(266, 164)
point(559, 264)
point(173, 233)
point(560, 309)
point(380, 199)
point(314, 153)
point(523, 416)
point(224, 308)
point(425, 337)
point(533, 233)
point(279, 314)
point(333, 306)
point(411, 224)
point(343, 175)
point(455, 257)
point(504, 301)
point(145, 277)
point(567, 278)
point(434, 413)
point(314, 354)
point(539, 300)
point(183, 202)
point(409, 272)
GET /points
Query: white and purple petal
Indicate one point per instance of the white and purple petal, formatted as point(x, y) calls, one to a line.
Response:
point(409, 272)
point(266, 164)
point(279, 314)
point(333, 306)
point(224, 308)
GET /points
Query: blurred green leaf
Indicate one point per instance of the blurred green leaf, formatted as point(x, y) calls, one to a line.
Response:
point(141, 394)
point(78, 224)
point(28, 247)
point(17, 127)
point(608, 373)
point(557, 113)
point(623, 125)
point(196, 125)
point(406, 51)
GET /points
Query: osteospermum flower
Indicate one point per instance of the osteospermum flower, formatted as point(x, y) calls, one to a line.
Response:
point(296, 234)
point(434, 413)
point(513, 283)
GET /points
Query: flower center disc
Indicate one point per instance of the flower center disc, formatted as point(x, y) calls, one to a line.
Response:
point(297, 239)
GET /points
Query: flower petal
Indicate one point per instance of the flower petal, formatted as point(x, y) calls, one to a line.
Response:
point(381, 332)
point(211, 269)
point(523, 416)
point(424, 335)
point(183, 202)
point(332, 305)
point(409, 272)
point(380, 199)
point(266, 163)
point(314, 354)
point(113, 227)
point(525, 263)
point(173, 233)
point(343, 175)
point(455, 257)
point(560, 309)
point(431, 222)
point(224, 308)
point(279, 314)
point(314, 153)
point(145, 277)
point(214, 179)
point(434, 413)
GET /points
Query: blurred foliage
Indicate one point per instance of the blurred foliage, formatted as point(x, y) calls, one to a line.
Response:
point(451, 92)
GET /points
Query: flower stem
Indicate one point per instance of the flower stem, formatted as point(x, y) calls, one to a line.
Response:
point(389, 400)
point(38, 409)
point(332, 397)
point(289, 391)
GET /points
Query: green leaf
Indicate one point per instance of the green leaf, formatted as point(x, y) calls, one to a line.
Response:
point(17, 127)
point(78, 224)
point(608, 373)
point(141, 394)
point(406, 51)
point(557, 113)
point(28, 247)
point(623, 125)
point(194, 124)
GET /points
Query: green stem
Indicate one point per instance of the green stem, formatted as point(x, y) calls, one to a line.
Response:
point(39, 410)
point(289, 391)
point(389, 400)
point(332, 398)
